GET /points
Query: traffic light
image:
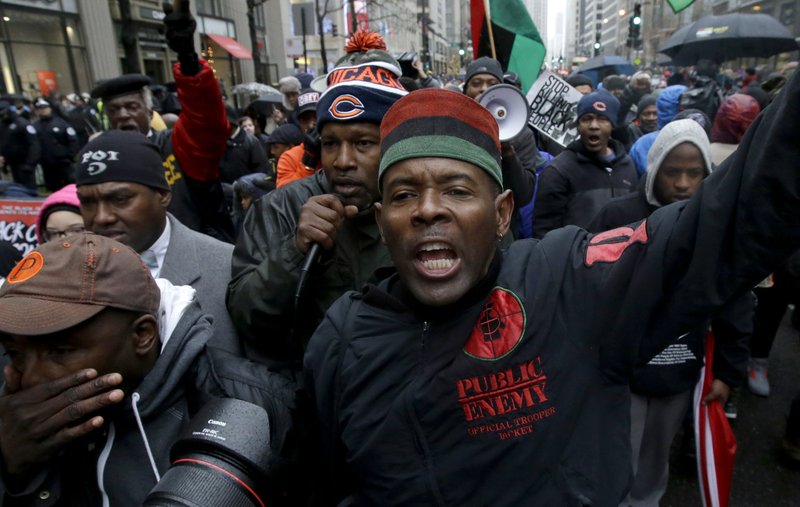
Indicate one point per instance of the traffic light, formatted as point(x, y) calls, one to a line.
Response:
point(634, 27)
point(334, 30)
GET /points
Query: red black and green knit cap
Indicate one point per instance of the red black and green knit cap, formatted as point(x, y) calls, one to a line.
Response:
point(440, 123)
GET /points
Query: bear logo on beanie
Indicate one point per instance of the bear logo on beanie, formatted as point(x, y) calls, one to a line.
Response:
point(346, 107)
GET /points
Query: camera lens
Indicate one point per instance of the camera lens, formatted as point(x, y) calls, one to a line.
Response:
point(221, 459)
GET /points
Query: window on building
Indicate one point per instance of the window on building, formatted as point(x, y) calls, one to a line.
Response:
point(261, 21)
point(44, 53)
point(210, 7)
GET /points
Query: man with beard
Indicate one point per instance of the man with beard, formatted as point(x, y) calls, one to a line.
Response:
point(331, 209)
point(443, 382)
point(646, 121)
point(591, 171)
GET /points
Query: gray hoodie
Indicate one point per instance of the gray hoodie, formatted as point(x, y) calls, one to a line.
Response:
point(674, 133)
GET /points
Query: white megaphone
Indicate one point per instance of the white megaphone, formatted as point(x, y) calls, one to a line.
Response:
point(508, 106)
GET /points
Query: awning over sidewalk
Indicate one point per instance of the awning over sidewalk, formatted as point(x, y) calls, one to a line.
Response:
point(235, 49)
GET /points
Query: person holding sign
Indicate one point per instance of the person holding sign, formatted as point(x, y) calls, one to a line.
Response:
point(591, 171)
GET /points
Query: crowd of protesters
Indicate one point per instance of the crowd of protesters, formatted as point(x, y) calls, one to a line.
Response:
point(423, 311)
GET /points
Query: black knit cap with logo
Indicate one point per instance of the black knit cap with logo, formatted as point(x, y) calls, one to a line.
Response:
point(120, 155)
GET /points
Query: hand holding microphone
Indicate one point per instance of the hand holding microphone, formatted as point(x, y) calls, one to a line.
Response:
point(321, 218)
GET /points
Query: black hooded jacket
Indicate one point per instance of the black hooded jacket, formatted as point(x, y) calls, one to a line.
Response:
point(519, 395)
point(576, 184)
point(244, 156)
point(677, 368)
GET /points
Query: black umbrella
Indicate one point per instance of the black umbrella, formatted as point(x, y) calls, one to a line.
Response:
point(265, 103)
point(722, 38)
point(616, 64)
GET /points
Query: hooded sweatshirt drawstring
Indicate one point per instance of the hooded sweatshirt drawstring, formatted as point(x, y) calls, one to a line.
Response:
point(101, 463)
point(134, 400)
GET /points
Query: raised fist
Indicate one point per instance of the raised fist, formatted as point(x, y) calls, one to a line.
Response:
point(180, 27)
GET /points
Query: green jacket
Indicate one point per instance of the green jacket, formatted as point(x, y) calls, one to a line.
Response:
point(266, 266)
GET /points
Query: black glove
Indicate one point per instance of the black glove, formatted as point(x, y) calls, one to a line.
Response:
point(311, 149)
point(180, 35)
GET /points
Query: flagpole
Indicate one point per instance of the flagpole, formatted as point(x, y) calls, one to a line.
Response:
point(488, 17)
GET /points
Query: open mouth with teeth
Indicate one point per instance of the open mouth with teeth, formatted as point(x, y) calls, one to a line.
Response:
point(437, 258)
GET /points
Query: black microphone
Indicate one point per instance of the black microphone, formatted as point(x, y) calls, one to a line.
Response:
point(311, 257)
point(308, 261)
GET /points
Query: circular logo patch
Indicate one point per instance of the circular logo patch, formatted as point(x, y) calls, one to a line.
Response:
point(27, 268)
point(499, 329)
point(346, 107)
point(600, 106)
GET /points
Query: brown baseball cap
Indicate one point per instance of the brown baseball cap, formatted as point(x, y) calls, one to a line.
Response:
point(65, 282)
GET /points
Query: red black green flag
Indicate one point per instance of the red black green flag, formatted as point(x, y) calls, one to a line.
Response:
point(517, 42)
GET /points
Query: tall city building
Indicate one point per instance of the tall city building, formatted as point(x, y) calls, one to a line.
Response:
point(64, 46)
point(538, 11)
point(561, 38)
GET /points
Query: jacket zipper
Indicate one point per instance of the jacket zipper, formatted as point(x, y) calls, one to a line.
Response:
point(611, 182)
point(419, 438)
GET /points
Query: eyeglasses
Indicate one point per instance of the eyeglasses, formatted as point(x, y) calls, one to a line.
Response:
point(56, 233)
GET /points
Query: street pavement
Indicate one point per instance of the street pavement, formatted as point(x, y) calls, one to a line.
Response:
point(761, 476)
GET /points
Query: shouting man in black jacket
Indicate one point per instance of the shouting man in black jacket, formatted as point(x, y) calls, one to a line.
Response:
point(588, 173)
point(480, 377)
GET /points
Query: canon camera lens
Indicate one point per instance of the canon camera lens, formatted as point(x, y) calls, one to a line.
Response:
point(220, 459)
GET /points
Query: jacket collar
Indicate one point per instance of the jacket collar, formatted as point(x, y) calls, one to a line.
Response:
point(181, 265)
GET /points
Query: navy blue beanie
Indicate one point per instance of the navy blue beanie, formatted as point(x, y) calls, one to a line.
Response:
point(600, 103)
point(359, 93)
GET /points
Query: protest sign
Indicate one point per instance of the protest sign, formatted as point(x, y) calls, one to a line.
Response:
point(554, 106)
point(18, 222)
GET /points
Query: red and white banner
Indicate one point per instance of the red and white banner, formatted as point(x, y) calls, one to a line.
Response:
point(18, 222)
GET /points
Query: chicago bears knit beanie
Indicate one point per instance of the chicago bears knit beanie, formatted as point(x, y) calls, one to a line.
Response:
point(600, 103)
point(363, 86)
